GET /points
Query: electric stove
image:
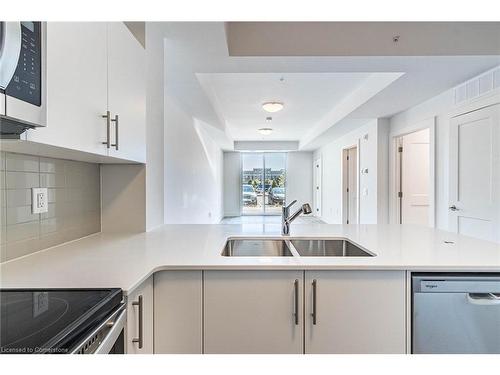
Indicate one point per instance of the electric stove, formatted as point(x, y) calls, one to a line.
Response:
point(60, 320)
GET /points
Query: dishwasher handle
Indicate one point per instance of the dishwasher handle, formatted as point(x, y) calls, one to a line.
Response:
point(483, 299)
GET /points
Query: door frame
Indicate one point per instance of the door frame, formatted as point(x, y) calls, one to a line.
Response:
point(394, 168)
point(318, 208)
point(345, 209)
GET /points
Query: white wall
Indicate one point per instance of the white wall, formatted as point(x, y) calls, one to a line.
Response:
point(232, 173)
point(372, 185)
point(193, 169)
point(154, 125)
point(123, 198)
point(299, 177)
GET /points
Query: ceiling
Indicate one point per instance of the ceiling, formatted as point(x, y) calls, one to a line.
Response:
point(225, 92)
point(307, 98)
point(363, 38)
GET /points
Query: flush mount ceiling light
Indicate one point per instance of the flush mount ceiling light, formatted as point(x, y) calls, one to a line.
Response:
point(265, 131)
point(272, 106)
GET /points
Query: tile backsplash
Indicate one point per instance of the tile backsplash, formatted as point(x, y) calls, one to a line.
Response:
point(73, 203)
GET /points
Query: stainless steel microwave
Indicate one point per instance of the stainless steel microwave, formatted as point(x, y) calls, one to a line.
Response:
point(22, 76)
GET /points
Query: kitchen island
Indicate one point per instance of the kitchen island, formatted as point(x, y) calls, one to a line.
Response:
point(125, 260)
point(195, 300)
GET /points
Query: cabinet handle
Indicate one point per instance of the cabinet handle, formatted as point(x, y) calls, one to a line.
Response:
point(296, 301)
point(140, 338)
point(107, 116)
point(115, 120)
point(314, 297)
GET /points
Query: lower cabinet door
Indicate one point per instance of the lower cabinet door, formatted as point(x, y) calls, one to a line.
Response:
point(178, 312)
point(355, 312)
point(139, 333)
point(253, 312)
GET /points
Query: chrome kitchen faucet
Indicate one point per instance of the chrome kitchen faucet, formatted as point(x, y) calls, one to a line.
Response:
point(286, 218)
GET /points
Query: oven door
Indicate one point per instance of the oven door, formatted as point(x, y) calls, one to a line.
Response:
point(10, 48)
point(107, 338)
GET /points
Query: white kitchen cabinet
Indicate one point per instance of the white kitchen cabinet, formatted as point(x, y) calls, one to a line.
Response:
point(126, 93)
point(92, 68)
point(139, 334)
point(253, 312)
point(76, 87)
point(356, 312)
point(178, 312)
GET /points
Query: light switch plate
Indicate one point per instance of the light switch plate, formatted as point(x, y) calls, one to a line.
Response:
point(39, 202)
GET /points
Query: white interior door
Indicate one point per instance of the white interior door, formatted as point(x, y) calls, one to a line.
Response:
point(474, 174)
point(317, 187)
point(415, 178)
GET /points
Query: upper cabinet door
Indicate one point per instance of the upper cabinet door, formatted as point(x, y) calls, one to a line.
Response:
point(355, 312)
point(76, 87)
point(251, 312)
point(127, 93)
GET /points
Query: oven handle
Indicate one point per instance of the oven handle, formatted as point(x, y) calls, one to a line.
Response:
point(110, 340)
point(117, 323)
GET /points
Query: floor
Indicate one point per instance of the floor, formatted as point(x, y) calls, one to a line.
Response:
point(257, 219)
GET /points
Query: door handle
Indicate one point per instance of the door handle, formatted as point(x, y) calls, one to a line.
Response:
point(454, 208)
point(484, 299)
point(139, 339)
point(314, 313)
point(296, 301)
point(115, 120)
point(107, 116)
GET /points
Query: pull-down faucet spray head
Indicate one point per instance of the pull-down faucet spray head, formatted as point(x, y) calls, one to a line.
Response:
point(286, 218)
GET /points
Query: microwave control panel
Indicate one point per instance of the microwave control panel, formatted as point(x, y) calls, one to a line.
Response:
point(26, 83)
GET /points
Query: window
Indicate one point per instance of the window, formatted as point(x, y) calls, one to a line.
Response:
point(263, 180)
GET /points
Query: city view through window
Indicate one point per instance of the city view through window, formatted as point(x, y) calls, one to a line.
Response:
point(263, 183)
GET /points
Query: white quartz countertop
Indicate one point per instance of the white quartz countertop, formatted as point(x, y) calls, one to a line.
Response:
point(125, 260)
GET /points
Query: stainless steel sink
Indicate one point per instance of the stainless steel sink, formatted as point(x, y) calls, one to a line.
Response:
point(328, 248)
point(256, 248)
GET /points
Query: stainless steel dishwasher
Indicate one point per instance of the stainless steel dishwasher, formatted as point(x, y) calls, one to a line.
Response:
point(456, 313)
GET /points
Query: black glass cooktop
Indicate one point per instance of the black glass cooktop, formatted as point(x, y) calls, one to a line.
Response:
point(51, 320)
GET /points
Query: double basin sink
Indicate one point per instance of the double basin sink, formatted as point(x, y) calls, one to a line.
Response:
point(266, 247)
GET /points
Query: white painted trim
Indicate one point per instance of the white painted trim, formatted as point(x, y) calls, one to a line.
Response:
point(480, 102)
point(318, 160)
point(343, 182)
point(358, 183)
point(430, 124)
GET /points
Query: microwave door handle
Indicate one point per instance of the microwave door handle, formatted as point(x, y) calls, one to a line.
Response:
point(10, 52)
